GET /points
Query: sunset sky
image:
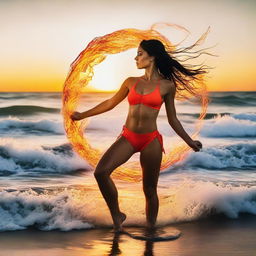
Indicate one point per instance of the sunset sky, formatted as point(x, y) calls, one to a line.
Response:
point(40, 39)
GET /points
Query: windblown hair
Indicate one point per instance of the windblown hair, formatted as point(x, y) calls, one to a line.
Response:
point(185, 77)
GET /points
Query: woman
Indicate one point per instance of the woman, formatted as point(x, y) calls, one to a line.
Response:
point(145, 96)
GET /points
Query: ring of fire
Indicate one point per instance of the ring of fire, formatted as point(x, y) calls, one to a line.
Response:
point(95, 53)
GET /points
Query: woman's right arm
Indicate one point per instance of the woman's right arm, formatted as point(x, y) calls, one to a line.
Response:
point(105, 105)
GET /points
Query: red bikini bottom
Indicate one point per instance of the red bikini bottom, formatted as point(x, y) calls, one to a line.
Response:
point(140, 140)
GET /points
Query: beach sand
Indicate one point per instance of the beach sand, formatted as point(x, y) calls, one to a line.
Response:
point(215, 236)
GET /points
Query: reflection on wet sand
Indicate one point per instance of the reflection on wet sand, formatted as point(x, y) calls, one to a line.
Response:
point(115, 250)
point(203, 237)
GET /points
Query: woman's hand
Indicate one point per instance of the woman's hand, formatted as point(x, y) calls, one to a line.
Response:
point(196, 145)
point(76, 116)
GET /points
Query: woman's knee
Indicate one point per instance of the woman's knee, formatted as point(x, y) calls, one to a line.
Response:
point(101, 173)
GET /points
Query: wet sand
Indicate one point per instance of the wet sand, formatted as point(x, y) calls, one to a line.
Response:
point(218, 236)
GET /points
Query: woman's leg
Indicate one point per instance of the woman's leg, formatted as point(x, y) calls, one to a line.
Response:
point(150, 159)
point(119, 152)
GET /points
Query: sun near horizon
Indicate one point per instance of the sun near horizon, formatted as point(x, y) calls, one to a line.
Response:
point(110, 74)
point(111, 84)
point(40, 39)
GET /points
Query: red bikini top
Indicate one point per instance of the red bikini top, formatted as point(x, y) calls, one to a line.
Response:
point(152, 100)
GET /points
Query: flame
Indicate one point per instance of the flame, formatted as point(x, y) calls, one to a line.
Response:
point(81, 73)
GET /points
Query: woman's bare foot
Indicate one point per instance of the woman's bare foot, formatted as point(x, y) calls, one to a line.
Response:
point(119, 221)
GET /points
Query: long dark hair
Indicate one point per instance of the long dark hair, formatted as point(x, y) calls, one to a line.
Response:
point(185, 77)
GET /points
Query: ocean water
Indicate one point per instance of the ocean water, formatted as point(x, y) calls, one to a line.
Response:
point(45, 184)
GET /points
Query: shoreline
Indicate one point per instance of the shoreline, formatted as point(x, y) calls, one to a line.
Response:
point(214, 236)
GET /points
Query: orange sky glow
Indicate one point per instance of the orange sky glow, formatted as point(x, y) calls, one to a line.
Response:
point(40, 40)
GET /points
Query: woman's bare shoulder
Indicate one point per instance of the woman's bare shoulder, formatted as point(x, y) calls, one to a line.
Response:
point(130, 81)
point(167, 86)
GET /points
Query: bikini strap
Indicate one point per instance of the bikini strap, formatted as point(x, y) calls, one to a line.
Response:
point(133, 87)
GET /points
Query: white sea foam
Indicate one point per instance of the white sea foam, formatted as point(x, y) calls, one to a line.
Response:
point(18, 210)
point(78, 208)
point(196, 199)
point(245, 116)
point(233, 156)
point(228, 126)
point(43, 125)
point(17, 157)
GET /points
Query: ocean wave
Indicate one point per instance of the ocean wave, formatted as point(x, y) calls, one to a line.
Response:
point(241, 116)
point(193, 200)
point(18, 159)
point(19, 210)
point(245, 116)
point(228, 126)
point(78, 208)
point(29, 95)
point(196, 115)
point(23, 110)
point(235, 156)
point(16, 95)
point(233, 99)
point(39, 126)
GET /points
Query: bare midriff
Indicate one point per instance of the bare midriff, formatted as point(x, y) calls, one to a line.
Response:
point(141, 119)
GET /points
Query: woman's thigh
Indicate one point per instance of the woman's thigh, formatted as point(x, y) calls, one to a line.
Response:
point(150, 160)
point(118, 153)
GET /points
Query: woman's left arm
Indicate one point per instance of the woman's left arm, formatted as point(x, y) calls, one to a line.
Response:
point(173, 120)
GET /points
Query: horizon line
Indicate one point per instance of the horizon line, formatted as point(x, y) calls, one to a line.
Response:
point(105, 91)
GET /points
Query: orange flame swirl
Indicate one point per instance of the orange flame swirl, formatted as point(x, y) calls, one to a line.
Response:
point(95, 53)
